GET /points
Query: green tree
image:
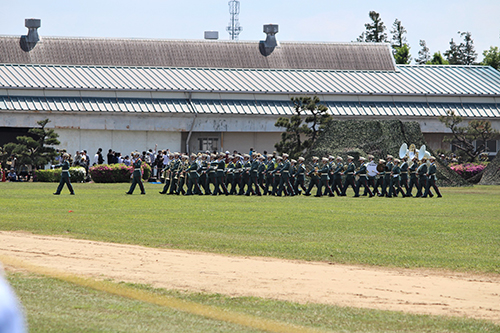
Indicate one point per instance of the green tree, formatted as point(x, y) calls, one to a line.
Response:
point(463, 137)
point(492, 57)
point(424, 54)
point(437, 59)
point(402, 55)
point(36, 152)
point(398, 35)
point(375, 31)
point(463, 53)
point(302, 129)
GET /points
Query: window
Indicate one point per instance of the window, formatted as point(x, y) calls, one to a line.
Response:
point(211, 144)
point(491, 146)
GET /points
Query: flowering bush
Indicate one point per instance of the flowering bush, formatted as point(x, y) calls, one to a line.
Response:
point(468, 170)
point(77, 174)
point(116, 173)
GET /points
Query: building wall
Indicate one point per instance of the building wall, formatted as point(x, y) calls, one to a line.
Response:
point(120, 141)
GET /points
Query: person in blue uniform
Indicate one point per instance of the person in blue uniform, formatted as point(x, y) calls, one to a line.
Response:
point(349, 173)
point(64, 176)
point(137, 175)
point(431, 179)
point(363, 178)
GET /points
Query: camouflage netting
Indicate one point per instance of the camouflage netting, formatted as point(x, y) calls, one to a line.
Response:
point(379, 138)
point(491, 175)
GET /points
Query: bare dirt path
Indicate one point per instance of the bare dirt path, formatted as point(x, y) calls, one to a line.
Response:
point(415, 291)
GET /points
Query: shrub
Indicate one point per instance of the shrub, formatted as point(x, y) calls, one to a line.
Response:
point(77, 175)
point(468, 170)
point(116, 173)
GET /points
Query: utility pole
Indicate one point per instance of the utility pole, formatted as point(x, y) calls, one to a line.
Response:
point(234, 27)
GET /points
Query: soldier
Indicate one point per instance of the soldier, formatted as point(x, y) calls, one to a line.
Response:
point(182, 172)
point(422, 177)
point(221, 169)
point(363, 178)
point(371, 171)
point(394, 185)
point(168, 174)
point(331, 166)
point(300, 176)
point(277, 174)
point(270, 166)
point(174, 173)
point(238, 169)
point(245, 176)
point(230, 173)
point(212, 174)
point(313, 174)
point(203, 172)
point(253, 180)
point(137, 175)
point(293, 171)
point(193, 177)
point(325, 179)
point(404, 175)
point(349, 180)
point(413, 176)
point(387, 177)
point(431, 175)
point(65, 176)
point(337, 176)
point(284, 185)
point(262, 172)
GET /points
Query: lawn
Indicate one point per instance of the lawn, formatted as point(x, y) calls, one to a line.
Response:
point(58, 306)
point(460, 231)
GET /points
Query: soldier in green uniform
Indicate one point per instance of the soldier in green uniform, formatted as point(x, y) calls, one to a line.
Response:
point(293, 171)
point(313, 174)
point(363, 178)
point(325, 179)
point(270, 166)
point(203, 172)
point(137, 175)
point(221, 169)
point(245, 175)
point(404, 175)
point(349, 173)
point(431, 182)
point(262, 172)
point(238, 169)
point(193, 177)
point(181, 171)
point(212, 173)
point(422, 177)
point(284, 185)
point(64, 175)
point(413, 176)
point(371, 172)
point(174, 173)
point(300, 176)
point(387, 178)
point(277, 174)
point(380, 179)
point(168, 174)
point(253, 180)
point(394, 185)
point(230, 173)
point(337, 176)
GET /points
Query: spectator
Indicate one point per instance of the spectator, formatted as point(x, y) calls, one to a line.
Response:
point(126, 161)
point(77, 159)
point(98, 158)
point(110, 156)
point(119, 158)
point(12, 176)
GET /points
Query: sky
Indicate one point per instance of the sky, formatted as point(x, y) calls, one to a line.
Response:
point(435, 21)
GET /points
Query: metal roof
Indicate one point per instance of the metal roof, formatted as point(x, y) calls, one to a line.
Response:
point(407, 80)
point(196, 53)
point(240, 107)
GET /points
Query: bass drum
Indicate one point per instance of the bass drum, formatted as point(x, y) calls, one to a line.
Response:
point(371, 169)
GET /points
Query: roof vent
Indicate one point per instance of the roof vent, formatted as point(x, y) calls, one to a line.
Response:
point(29, 41)
point(267, 47)
point(213, 35)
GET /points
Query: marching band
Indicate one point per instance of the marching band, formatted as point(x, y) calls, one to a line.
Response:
point(259, 175)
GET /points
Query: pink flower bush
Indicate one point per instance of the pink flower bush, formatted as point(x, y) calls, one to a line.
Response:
point(116, 173)
point(468, 170)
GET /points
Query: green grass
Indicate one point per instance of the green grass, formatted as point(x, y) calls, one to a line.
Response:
point(57, 306)
point(459, 232)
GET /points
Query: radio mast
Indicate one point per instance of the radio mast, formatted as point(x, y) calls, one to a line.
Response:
point(234, 28)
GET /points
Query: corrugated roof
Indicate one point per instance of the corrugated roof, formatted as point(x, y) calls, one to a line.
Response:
point(196, 53)
point(240, 107)
point(414, 80)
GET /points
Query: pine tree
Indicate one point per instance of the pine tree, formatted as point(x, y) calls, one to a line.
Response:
point(402, 55)
point(375, 31)
point(492, 58)
point(463, 53)
point(398, 35)
point(437, 59)
point(424, 54)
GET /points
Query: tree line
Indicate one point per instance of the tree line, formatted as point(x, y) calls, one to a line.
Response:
point(459, 53)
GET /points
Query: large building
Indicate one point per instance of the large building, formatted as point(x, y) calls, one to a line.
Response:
point(129, 94)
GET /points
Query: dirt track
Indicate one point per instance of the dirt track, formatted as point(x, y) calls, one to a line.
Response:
point(415, 291)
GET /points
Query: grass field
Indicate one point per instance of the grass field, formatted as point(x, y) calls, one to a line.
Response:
point(458, 232)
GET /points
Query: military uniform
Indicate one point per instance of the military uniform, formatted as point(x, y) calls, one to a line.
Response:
point(314, 181)
point(221, 167)
point(363, 180)
point(422, 178)
point(65, 178)
point(182, 172)
point(324, 181)
point(387, 177)
point(394, 185)
point(349, 179)
point(194, 178)
point(300, 177)
point(137, 175)
point(245, 176)
point(404, 177)
point(270, 167)
point(212, 175)
point(284, 185)
point(174, 174)
point(431, 182)
point(238, 169)
point(253, 180)
point(413, 178)
point(337, 178)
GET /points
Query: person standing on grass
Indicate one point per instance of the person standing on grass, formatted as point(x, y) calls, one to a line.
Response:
point(349, 179)
point(137, 175)
point(431, 179)
point(64, 176)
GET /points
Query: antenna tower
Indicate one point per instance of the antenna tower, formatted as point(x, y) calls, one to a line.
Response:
point(234, 28)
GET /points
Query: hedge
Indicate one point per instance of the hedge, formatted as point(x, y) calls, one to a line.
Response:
point(116, 173)
point(77, 175)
